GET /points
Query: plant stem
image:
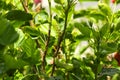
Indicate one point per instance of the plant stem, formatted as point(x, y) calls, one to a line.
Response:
point(97, 61)
point(96, 71)
point(25, 6)
point(48, 39)
point(60, 39)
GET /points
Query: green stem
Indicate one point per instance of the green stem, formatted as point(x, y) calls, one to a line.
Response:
point(60, 39)
point(25, 5)
point(96, 71)
point(97, 61)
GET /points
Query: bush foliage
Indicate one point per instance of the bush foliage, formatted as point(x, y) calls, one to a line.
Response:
point(60, 42)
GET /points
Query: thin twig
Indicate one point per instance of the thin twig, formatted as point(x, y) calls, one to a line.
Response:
point(25, 5)
point(48, 39)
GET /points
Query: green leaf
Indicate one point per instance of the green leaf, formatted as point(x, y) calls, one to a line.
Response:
point(88, 0)
point(58, 19)
point(67, 66)
point(5, 6)
point(90, 72)
point(81, 13)
point(108, 47)
point(13, 63)
point(18, 24)
point(28, 46)
point(114, 36)
point(59, 11)
point(117, 26)
point(31, 54)
point(44, 30)
point(1, 48)
point(105, 9)
point(2, 68)
point(18, 15)
point(4, 24)
point(56, 78)
point(97, 15)
point(117, 1)
point(20, 39)
point(32, 31)
point(117, 14)
point(109, 71)
point(59, 1)
point(8, 34)
point(84, 29)
point(95, 34)
point(104, 30)
point(75, 77)
point(42, 17)
point(76, 63)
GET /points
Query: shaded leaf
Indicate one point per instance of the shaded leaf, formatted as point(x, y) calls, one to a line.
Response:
point(109, 71)
point(18, 15)
point(13, 63)
point(81, 13)
point(76, 63)
point(8, 34)
point(56, 78)
point(5, 6)
point(32, 31)
point(104, 29)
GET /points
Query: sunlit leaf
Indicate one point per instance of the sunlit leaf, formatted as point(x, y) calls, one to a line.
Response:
point(97, 15)
point(65, 66)
point(32, 55)
point(84, 28)
point(105, 9)
point(28, 46)
point(41, 18)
